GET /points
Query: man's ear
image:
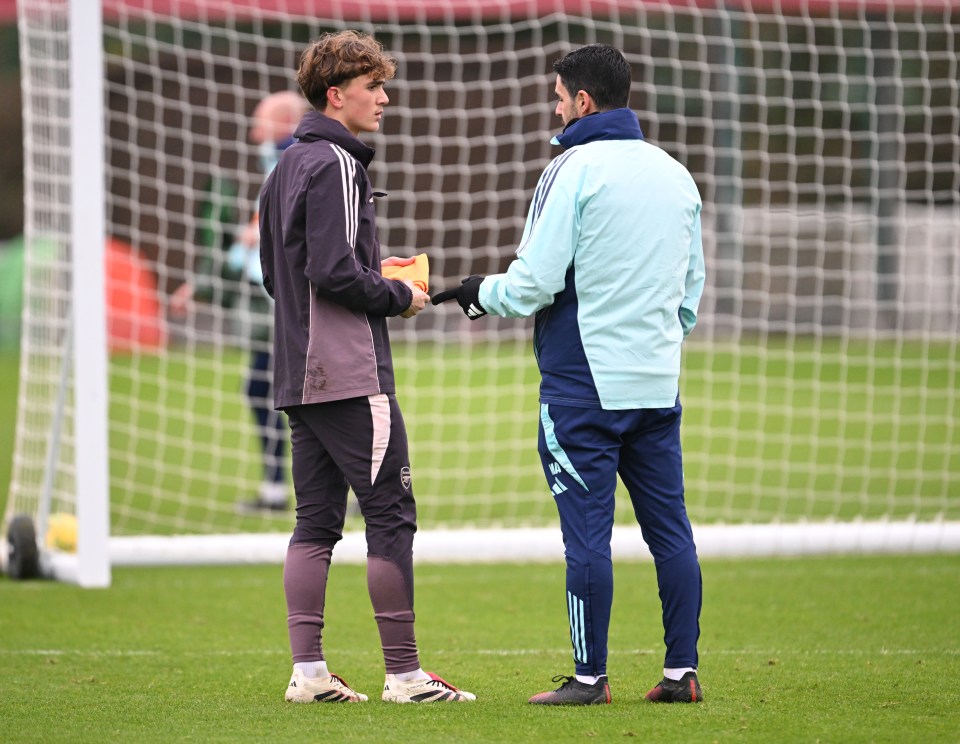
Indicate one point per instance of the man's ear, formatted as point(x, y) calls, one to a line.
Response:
point(583, 103)
point(334, 98)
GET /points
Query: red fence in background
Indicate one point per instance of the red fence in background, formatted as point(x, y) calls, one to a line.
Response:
point(439, 10)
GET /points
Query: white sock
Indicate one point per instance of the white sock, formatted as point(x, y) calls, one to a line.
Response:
point(586, 679)
point(312, 669)
point(677, 674)
point(411, 676)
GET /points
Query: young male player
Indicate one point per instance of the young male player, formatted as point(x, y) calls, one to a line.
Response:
point(611, 262)
point(333, 371)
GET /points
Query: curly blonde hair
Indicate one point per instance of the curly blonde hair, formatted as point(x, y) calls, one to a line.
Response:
point(337, 57)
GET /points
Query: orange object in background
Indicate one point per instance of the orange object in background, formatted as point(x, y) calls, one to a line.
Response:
point(134, 317)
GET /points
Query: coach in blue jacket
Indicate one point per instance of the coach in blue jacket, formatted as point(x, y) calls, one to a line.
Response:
point(611, 262)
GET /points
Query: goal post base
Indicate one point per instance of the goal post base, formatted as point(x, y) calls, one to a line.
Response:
point(58, 566)
point(545, 544)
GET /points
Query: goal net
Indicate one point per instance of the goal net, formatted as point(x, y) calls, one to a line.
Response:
point(821, 388)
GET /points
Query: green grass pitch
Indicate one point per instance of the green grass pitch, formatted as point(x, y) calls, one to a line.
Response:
point(856, 649)
point(844, 649)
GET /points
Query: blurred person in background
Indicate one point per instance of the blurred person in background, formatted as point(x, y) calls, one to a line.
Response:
point(239, 284)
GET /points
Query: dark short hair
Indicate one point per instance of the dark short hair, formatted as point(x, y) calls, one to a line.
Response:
point(599, 70)
point(335, 58)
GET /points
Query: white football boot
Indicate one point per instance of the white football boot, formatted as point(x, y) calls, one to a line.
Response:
point(330, 689)
point(432, 690)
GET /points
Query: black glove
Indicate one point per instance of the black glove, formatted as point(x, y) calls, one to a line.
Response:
point(467, 294)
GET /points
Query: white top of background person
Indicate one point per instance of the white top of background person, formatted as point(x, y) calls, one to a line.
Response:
point(274, 120)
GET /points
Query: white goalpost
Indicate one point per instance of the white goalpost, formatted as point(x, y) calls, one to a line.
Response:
point(821, 388)
point(88, 296)
point(69, 161)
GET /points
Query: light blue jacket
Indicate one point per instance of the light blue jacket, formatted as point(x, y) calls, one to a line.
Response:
point(611, 262)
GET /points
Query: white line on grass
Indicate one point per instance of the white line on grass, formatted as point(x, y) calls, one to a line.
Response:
point(489, 652)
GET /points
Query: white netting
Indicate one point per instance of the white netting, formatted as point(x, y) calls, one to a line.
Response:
point(822, 381)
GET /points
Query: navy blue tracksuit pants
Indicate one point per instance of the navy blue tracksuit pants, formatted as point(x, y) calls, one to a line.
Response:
point(582, 451)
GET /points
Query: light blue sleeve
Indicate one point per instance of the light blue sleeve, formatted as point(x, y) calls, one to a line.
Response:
point(546, 249)
point(693, 286)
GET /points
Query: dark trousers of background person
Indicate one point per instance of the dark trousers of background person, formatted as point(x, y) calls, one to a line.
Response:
point(271, 424)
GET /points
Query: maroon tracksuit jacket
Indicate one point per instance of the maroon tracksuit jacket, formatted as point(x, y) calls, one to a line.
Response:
point(320, 254)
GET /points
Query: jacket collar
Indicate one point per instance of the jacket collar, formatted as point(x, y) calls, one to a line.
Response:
point(315, 126)
point(617, 124)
